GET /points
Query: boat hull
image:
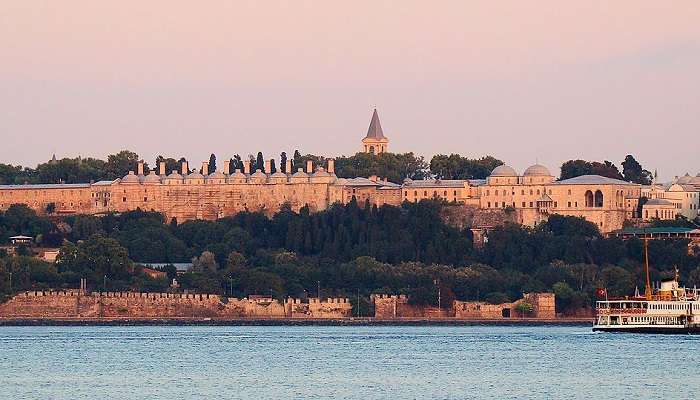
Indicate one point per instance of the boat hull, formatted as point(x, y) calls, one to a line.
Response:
point(685, 330)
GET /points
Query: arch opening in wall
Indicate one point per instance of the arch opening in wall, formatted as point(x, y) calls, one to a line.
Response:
point(505, 313)
point(598, 198)
point(589, 198)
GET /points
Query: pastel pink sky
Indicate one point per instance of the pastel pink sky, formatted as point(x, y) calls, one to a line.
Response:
point(520, 80)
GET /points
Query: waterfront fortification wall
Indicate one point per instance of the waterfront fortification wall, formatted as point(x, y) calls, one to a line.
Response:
point(541, 306)
point(74, 304)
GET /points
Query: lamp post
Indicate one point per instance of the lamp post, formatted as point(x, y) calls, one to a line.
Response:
point(10, 281)
point(104, 283)
point(319, 290)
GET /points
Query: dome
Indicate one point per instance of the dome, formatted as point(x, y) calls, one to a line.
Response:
point(685, 179)
point(174, 175)
point(151, 178)
point(503, 170)
point(658, 202)
point(237, 177)
point(259, 174)
point(407, 181)
point(194, 175)
point(130, 178)
point(258, 177)
point(320, 172)
point(536, 170)
point(300, 174)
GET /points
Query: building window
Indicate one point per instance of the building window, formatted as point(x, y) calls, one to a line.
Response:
point(488, 205)
point(530, 204)
point(568, 204)
point(123, 199)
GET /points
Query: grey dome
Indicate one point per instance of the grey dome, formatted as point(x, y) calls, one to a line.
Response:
point(131, 178)
point(174, 175)
point(300, 174)
point(658, 202)
point(152, 178)
point(685, 179)
point(216, 175)
point(194, 175)
point(537, 170)
point(320, 172)
point(237, 176)
point(503, 170)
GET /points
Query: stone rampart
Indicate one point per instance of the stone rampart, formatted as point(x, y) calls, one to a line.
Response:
point(74, 304)
point(396, 307)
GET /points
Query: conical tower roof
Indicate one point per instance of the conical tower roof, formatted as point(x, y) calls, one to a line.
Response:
point(375, 127)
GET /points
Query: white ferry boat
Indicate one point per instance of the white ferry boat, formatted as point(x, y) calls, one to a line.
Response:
point(669, 309)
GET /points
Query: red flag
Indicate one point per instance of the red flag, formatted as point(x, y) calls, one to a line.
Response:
point(601, 293)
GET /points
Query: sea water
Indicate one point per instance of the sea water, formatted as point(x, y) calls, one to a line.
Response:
point(344, 362)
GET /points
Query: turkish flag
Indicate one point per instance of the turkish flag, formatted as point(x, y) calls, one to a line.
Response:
point(601, 293)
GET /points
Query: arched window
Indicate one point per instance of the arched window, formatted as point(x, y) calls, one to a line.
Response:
point(598, 198)
point(589, 198)
point(371, 149)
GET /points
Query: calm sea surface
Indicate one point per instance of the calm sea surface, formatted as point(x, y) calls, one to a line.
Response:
point(283, 362)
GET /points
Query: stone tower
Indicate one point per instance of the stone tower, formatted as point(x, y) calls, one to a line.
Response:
point(375, 142)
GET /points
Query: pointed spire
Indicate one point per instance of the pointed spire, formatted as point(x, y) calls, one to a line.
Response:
point(375, 127)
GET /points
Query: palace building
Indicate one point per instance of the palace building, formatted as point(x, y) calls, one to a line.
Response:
point(203, 194)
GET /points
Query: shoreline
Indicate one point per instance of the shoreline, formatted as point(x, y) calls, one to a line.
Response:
point(291, 322)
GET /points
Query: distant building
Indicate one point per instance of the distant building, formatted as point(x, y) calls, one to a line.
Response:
point(666, 201)
point(528, 199)
point(375, 142)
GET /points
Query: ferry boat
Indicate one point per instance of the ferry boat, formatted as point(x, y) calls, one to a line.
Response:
point(669, 309)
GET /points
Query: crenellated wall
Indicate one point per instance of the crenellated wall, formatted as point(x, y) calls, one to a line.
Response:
point(396, 307)
point(73, 304)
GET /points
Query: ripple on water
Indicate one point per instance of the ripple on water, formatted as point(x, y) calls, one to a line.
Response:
point(167, 362)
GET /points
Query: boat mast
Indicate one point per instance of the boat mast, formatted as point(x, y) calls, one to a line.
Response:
point(647, 289)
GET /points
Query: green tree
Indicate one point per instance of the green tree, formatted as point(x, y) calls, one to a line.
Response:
point(455, 166)
point(98, 259)
point(212, 163)
point(259, 162)
point(283, 162)
point(574, 168)
point(120, 164)
point(633, 171)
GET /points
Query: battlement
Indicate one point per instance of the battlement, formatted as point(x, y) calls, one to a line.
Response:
point(330, 300)
point(133, 295)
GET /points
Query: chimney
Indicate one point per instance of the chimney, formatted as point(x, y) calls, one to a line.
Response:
point(288, 167)
point(205, 168)
point(227, 167)
point(268, 166)
point(309, 167)
point(185, 170)
point(331, 166)
point(161, 168)
point(246, 167)
point(139, 168)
